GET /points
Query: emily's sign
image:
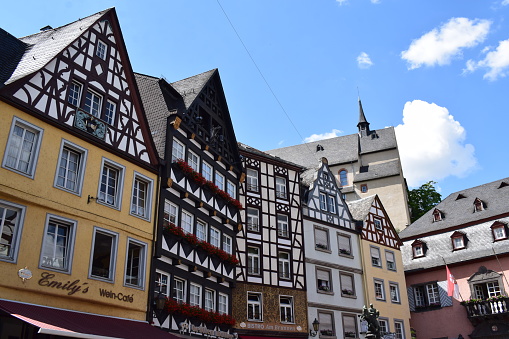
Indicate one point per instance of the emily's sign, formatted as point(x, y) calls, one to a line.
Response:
point(47, 280)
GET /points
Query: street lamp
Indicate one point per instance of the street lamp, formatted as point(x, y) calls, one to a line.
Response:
point(159, 307)
point(314, 331)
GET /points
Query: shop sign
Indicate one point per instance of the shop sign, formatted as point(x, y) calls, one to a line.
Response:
point(47, 280)
point(269, 327)
point(186, 327)
point(117, 296)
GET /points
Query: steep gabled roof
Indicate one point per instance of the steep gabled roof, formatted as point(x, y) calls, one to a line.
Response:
point(189, 88)
point(12, 52)
point(360, 208)
point(252, 150)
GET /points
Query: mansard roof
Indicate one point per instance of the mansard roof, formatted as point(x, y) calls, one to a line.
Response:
point(459, 212)
point(339, 150)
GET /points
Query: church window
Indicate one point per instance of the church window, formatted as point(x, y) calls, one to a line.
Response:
point(343, 177)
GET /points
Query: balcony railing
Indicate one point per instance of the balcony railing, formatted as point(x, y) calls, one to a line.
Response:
point(483, 308)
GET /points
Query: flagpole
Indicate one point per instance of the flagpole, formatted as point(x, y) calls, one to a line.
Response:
point(454, 279)
point(499, 264)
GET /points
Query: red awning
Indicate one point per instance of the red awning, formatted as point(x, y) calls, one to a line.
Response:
point(81, 325)
point(256, 337)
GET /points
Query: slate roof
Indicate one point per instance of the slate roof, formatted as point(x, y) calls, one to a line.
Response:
point(12, 52)
point(461, 211)
point(190, 87)
point(42, 47)
point(359, 209)
point(246, 148)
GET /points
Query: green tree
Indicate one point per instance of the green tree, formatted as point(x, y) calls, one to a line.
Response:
point(422, 199)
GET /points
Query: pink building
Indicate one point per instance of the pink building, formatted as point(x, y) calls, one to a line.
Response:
point(468, 230)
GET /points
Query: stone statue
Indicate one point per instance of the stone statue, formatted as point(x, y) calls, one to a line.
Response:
point(371, 316)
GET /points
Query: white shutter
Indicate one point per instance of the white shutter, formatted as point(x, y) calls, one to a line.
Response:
point(346, 282)
point(322, 275)
point(445, 300)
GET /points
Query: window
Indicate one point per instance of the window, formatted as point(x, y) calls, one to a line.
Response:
point(135, 265)
point(110, 187)
point(282, 226)
point(206, 170)
point(426, 295)
point(252, 220)
point(286, 309)
point(364, 188)
point(194, 161)
point(418, 249)
point(254, 306)
point(179, 290)
point(280, 188)
point(399, 329)
point(344, 245)
point(378, 223)
point(379, 290)
point(58, 244)
point(223, 303)
point(220, 181)
point(101, 50)
point(186, 222)
point(394, 290)
point(326, 327)
point(487, 289)
point(214, 237)
point(93, 103)
point(104, 250)
point(343, 178)
point(390, 260)
point(111, 109)
point(321, 238)
point(437, 215)
point(231, 189)
point(323, 201)
point(162, 283)
point(201, 230)
point(210, 300)
point(141, 196)
point(11, 223)
point(347, 285)
point(375, 256)
point(458, 240)
point(177, 150)
point(71, 166)
point(170, 212)
point(195, 295)
point(252, 180)
point(323, 280)
point(384, 326)
point(253, 260)
point(350, 326)
point(74, 94)
point(478, 205)
point(227, 244)
point(498, 230)
point(23, 147)
point(284, 265)
point(331, 203)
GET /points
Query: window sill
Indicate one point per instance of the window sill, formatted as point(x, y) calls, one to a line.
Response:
point(323, 250)
point(348, 296)
point(349, 256)
point(325, 292)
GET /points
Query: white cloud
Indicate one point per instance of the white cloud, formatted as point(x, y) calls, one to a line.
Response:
point(280, 142)
point(505, 2)
point(440, 45)
point(326, 135)
point(378, 1)
point(342, 2)
point(364, 61)
point(497, 62)
point(432, 144)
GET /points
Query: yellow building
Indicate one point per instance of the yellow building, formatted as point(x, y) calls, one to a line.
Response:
point(78, 185)
point(384, 277)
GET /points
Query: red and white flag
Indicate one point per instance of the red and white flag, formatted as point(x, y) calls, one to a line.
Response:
point(452, 285)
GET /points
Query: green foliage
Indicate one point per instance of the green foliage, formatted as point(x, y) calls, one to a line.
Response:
point(423, 199)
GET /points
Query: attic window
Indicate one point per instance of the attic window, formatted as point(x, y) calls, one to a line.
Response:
point(503, 184)
point(499, 231)
point(460, 196)
point(459, 241)
point(364, 188)
point(319, 148)
point(101, 50)
point(478, 205)
point(419, 249)
point(364, 169)
point(437, 215)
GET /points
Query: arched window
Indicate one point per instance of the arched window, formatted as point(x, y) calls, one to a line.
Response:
point(343, 177)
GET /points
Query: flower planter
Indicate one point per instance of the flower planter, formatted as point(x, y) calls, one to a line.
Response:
point(202, 255)
point(220, 203)
point(228, 268)
point(186, 248)
point(215, 261)
point(171, 239)
point(177, 172)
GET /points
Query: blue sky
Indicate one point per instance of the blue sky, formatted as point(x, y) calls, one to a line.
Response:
point(434, 69)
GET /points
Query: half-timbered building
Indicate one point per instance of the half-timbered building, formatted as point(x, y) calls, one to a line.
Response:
point(383, 266)
point(78, 185)
point(270, 294)
point(199, 210)
point(333, 257)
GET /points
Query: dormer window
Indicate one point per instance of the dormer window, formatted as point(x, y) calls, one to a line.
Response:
point(319, 148)
point(499, 231)
point(478, 205)
point(437, 215)
point(459, 241)
point(418, 249)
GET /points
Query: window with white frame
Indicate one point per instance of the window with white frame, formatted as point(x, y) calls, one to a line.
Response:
point(280, 187)
point(11, 224)
point(254, 306)
point(286, 308)
point(253, 260)
point(231, 189)
point(201, 230)
point(170, 212)
point(282, 226)
point(104, 254)
point(179, 290)
point(162, 283)
point(252, 180)
point(253, 219)
point(58, 244)
point(347, 285)
point(215, 237)
point(349, 326)
point(227, 244)
point(384, 326)
point(426, 295)
point(458, 241)
point(323, 280)
point(219, 181)
point(93, 103)
point(331, 201)
point(101, 50)
point(418, 249)
point(141, 196)
point(326, 327)
point(399, 329)
point(498, 230)
point(186, 222)
point(344, 244)
point(210, 300)
point(321, 238)
point(223, 303)
point(375, 256)
point(193, 160)
point(379, 289)
point(111, 110)
point(23, 147)
point(323, 201)
point(394, 290)
point(206, 171)
point(135, 265)
point(195, 295)
point(390, 260)
point(177, 150)
point(486, 290)
point(110, 187)
point(284, 265)
point(74, 95)
point(71, 166)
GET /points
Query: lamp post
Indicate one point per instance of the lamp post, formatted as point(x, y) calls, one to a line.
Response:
point(159, 308)
point(314, 331)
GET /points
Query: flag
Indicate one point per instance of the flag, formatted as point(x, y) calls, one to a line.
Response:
point(452, 285)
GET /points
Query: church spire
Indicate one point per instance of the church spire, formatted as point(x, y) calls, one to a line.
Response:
point(363, 124)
